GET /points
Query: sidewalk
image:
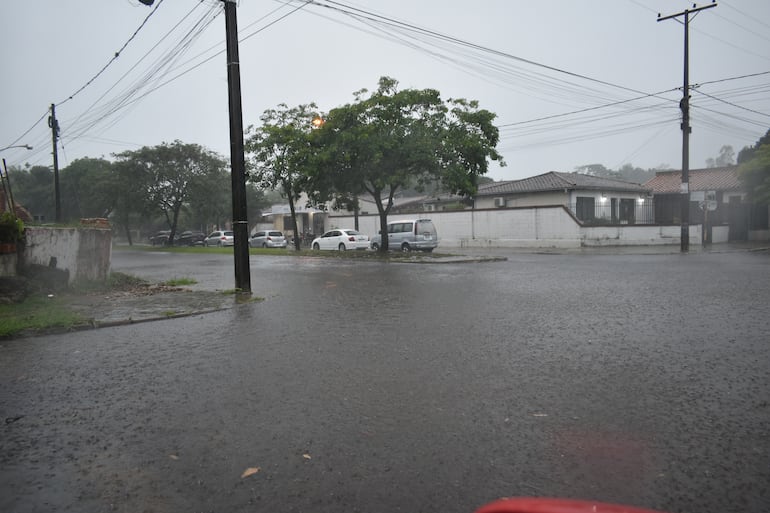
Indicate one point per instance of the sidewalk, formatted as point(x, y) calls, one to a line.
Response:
point(123, 307)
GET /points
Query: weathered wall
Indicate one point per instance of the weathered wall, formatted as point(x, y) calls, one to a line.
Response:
point(544, 227)
point(84, 252)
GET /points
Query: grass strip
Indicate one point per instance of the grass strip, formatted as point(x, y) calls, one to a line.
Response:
point(37, 313)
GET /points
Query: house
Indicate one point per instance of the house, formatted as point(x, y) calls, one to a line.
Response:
point(717, 199)
point(592, 199)
point(309, 220)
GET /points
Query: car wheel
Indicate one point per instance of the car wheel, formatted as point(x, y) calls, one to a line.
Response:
point(375, 246)
point(264, 244)
point(405, 248)
point(342, 247)
point(316, 247)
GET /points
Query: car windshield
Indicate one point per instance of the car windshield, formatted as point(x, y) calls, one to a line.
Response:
point(352, 232)
point(228, 234)
point(275, 234)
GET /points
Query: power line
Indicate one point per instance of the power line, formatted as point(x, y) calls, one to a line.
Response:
point(554, 116)
point(733, 78)
point(115, 57)
point(732, 104)
point(753, 18)
point(126, 101)
point(353, 11)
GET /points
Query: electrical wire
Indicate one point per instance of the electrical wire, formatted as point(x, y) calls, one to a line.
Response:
point(115, 57)
point(356, 12)
point(157, 71)
point(128, 99)
point(732, 104)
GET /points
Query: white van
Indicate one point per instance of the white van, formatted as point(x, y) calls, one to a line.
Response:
point(409, 235)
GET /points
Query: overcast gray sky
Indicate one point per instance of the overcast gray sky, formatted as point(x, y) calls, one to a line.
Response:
point(606, 75)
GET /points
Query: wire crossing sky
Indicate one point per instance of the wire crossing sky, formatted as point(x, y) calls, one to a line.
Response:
point(581, 83)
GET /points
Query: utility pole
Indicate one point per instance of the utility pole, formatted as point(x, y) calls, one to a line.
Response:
point(54, 139)
point(237, 159)
point(684, 105)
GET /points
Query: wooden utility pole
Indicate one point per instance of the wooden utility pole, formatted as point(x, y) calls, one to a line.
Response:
point(54, 124)
point(684, 105)
point(237, 159)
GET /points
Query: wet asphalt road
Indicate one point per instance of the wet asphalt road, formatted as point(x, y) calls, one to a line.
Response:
point(376, 387)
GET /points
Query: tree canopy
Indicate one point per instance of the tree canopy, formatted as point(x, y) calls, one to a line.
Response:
point(167, 174)
point(726, 157)
point(393, 139)
point(754, 169)
point(281, 153)
point(627, 172)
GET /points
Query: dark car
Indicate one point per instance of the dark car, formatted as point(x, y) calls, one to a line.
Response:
point(190, 238)
point(160, 238)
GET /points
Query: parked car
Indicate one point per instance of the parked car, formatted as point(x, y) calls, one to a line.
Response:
point(409, 235)
point(341, 240)
point(219, 238)
point(267, 239)
point(190, 238)
point(160, 238)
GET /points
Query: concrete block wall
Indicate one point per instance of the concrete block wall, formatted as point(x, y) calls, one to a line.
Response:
point(537, 227)
point(84, 252)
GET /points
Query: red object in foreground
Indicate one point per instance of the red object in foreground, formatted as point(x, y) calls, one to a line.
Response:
point(543, 505)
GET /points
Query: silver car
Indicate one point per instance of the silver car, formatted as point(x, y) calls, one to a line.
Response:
point(267, 239)
point(409, 235)
point(219, 238)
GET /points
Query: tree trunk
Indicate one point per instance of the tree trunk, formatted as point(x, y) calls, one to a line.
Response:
point(294, 222)
point(127, 228)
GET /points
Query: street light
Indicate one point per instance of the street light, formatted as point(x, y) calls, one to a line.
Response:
point(17, 146)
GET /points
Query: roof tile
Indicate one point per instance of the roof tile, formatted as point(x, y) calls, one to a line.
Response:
point(711, 179)
point(554, 181)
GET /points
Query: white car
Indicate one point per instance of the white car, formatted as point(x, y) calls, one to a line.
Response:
point(341, 240)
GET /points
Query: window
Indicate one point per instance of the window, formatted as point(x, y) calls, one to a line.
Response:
point(585, 208)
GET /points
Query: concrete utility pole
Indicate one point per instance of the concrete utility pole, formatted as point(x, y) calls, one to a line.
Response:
point(684, 105)
point(237, 159)
point(55, 138)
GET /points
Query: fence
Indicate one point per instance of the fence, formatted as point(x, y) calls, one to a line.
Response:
point(614, 212)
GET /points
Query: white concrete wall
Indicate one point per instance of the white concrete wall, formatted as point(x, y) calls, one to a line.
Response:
point(84, 252)
point(637, 235)
point(720, 234)
point(542, 227)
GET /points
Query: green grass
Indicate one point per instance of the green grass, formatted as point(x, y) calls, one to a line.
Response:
point(41, 313)
point(180, 282)
point(37, 313)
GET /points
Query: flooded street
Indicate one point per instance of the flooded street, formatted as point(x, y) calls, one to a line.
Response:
point(384, 387)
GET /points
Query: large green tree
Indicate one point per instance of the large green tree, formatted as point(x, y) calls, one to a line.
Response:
point(167, 173)
point(33, 188)
point(280, 152)
point(87, 189)
point(754, 169)
point(393, 139)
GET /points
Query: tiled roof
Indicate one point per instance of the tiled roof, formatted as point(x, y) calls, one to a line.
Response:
point(712, 179)
point(554, 181)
